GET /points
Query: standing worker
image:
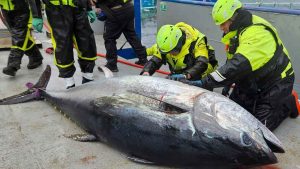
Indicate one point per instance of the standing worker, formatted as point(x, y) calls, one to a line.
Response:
point(120, 19)
point(185, 50)
point(18, 16)
point(258, 64)
point(70, 25)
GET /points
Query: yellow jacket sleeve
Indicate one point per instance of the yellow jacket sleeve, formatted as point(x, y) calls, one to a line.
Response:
point(154, 51)
point(201, 49)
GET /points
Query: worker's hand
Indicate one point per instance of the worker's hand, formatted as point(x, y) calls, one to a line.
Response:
point(145, 74)
point(225, 90)
point(176, 77)
point(92, 15)
point(198, 83)
point(37, 24)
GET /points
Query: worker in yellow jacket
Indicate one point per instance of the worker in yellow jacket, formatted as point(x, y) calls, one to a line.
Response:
point(257, 63)
point(186, 51)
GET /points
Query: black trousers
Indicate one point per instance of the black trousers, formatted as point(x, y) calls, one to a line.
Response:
point(123, 22)
point(22, 41)
point(71, 26)
point(270, 107)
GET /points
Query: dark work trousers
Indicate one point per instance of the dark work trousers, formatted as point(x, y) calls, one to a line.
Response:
point(123, 22)
point(22, 41)
point(270, 107)
point(71, 26)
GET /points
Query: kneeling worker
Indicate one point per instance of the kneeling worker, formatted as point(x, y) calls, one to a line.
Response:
point(186, 51)
point(259, 65)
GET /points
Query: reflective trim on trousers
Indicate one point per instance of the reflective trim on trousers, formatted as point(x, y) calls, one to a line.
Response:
point(79, 53)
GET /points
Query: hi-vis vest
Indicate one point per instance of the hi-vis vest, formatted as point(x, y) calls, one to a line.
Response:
point(60, 2)
point(194, 39)
point(256, 20)
point(7, 5)
point(263, 52)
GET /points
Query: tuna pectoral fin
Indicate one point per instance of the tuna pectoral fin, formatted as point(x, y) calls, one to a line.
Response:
point(33, 93)
point(82, 137)
point(139, 160)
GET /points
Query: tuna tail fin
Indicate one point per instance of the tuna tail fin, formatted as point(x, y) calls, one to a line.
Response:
point(33, 92)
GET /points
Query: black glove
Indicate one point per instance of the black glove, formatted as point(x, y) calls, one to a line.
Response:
point(226, 90)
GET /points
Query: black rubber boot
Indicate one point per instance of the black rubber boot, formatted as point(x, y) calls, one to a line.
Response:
point(34, 64)
point(141, 62)
point(113, 69)
point(35, 58)
point(11, 71)
point(14, 62)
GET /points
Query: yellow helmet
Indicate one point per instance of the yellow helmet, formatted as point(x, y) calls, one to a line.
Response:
point(224, 10)
point(168, 38)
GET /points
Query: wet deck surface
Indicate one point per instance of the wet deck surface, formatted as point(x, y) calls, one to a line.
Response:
point(32, 135)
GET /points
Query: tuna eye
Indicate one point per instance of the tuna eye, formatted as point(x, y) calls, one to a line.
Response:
point(245, 139)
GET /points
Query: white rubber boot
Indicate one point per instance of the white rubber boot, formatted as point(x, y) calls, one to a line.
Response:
point(70, 82)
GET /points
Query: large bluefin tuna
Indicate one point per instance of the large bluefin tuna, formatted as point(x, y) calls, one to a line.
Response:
point(164, 122)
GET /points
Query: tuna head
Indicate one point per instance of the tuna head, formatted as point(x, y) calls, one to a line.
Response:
point(230, 129)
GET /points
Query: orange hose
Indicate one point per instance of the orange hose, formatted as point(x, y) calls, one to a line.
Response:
point(134, 65)
point(296, 100)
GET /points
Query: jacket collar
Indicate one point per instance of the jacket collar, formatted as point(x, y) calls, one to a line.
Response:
point(242, 20)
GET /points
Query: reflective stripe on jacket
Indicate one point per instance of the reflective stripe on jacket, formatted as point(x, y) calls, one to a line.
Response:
point(62, 2)
point(7, 5)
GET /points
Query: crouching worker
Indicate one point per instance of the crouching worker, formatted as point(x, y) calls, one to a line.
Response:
point(18, 16)
point(186, 51)
point(69, 21)
point(259, 65)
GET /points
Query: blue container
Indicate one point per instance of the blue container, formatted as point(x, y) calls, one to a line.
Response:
point(148, 3)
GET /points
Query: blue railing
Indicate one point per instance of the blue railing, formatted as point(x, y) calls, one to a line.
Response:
point(247, 6)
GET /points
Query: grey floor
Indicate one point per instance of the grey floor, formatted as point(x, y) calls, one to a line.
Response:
point(32, 135)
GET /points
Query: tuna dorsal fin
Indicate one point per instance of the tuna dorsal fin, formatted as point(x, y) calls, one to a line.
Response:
point(107, 73)
point(33, 92)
